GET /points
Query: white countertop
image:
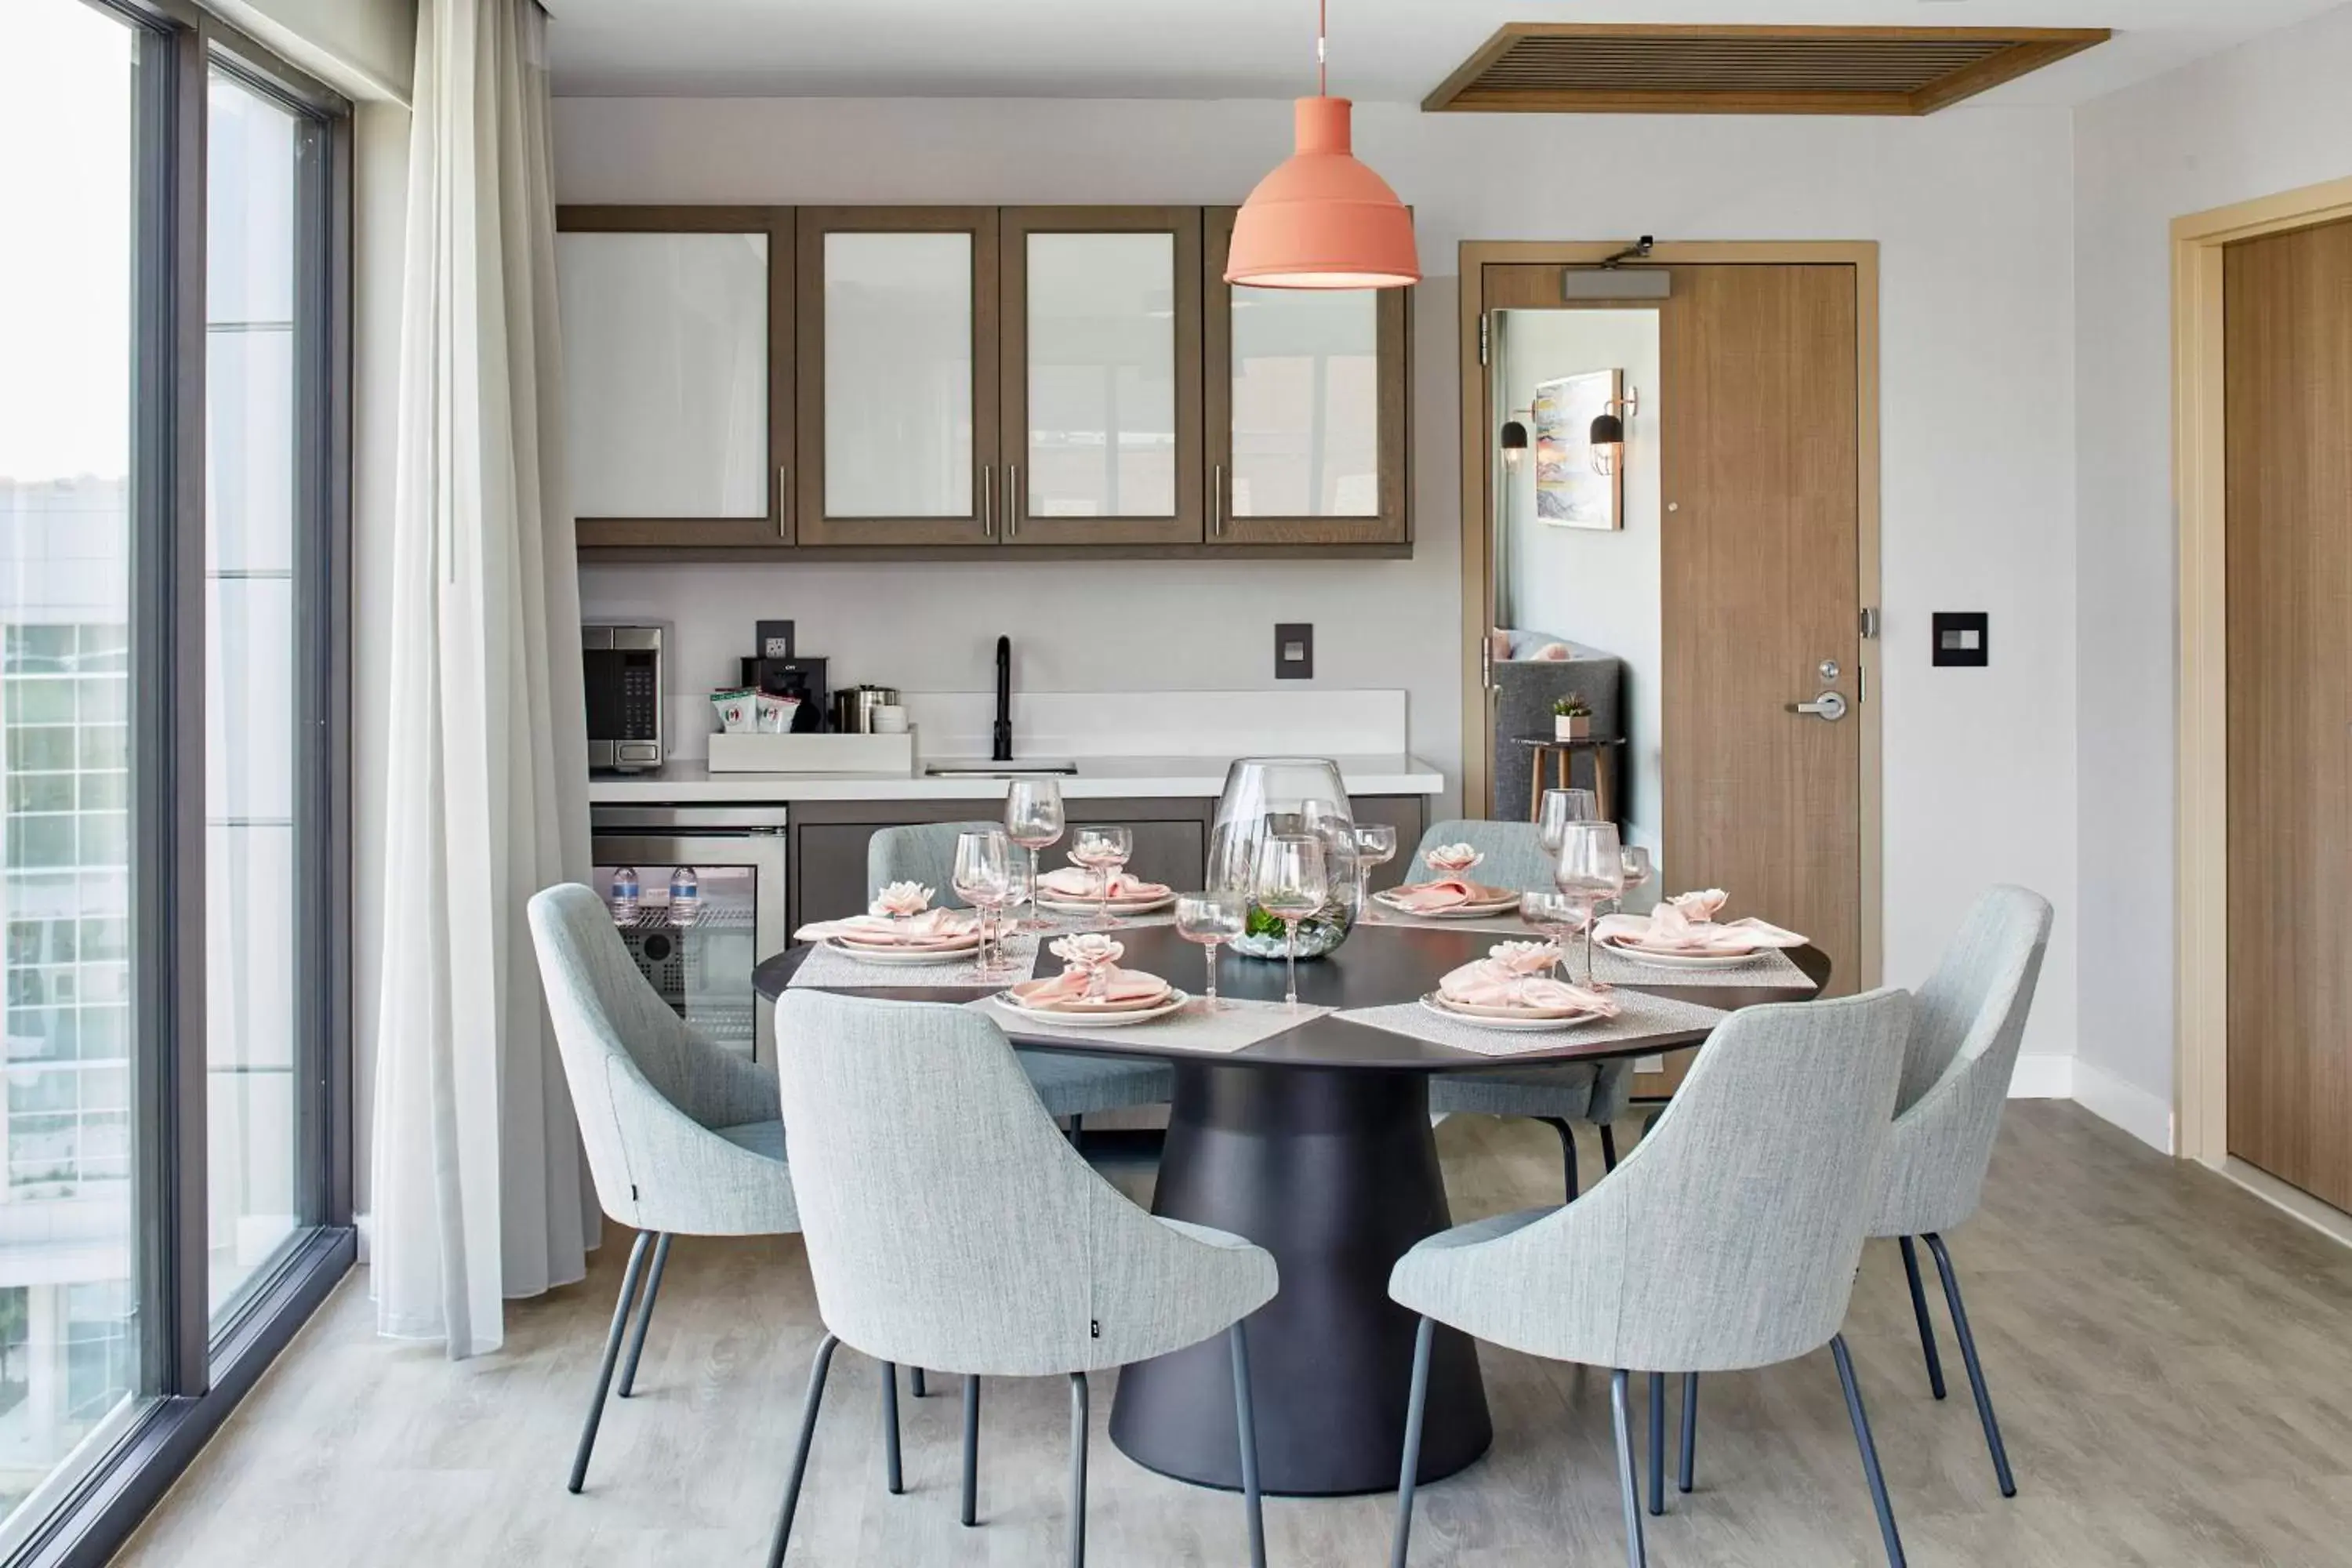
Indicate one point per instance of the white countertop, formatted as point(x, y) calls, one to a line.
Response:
point(692, 782)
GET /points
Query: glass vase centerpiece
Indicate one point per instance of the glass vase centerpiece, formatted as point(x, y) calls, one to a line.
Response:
point(1271, 797)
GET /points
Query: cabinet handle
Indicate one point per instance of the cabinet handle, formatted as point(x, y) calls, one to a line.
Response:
point(1217, 499)
point(1011, 500)
point(988, 500)
point(784, 501)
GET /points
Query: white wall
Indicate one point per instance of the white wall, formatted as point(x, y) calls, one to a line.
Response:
point(364, 47)
point(2270, 116)
point(1587, 584)
point(1973, 211)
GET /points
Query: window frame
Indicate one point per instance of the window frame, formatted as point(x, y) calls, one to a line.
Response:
point(193, 1371)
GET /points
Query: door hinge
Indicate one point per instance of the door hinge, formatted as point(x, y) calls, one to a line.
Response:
point(1482, 339)
point(1870, 622)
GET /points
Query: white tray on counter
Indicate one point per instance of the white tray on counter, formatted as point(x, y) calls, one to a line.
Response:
point(814, 753)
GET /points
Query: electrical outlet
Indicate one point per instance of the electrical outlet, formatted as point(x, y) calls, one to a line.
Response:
point(1293, 650)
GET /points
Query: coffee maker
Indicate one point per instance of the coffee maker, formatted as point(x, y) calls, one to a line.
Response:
point(802, 678)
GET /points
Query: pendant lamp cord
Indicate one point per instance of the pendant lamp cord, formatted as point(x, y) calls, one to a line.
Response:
point(1322, 26)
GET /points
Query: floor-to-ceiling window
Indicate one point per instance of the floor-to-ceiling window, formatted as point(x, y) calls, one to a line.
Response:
point(173, 1193)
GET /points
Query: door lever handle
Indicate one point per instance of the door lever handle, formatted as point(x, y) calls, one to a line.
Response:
point(1829, 705)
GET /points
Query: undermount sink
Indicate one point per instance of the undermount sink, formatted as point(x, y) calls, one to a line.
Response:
point(1021, 768)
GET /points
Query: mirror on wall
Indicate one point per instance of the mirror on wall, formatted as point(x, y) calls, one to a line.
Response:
point(1575, 549)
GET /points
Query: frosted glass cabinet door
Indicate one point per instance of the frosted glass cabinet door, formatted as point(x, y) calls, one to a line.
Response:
point(1306, 399)
point(1100, 396)
point(897, 317)
point(671, 346)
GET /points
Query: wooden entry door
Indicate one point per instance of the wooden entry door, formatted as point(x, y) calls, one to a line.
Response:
point(2287, 370)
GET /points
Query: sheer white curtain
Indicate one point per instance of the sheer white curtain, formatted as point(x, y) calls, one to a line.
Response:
point(478, 1189)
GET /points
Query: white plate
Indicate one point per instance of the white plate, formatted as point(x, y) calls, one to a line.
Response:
point(1436, 1004)
point(1458, 913)
point(1061, 1020)
point(903, 956)
point(1682, 960)
point(1062, 906)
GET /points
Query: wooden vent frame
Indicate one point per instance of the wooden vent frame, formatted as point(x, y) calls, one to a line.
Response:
point(1575, 68)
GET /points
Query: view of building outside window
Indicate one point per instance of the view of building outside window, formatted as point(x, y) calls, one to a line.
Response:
point(68, 1345)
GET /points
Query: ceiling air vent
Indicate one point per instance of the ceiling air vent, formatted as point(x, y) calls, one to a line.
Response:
point(1568, 68)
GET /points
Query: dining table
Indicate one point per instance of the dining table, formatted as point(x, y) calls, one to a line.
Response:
point(1315, 1143)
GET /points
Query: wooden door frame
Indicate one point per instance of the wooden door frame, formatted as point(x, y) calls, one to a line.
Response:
point(2201, 926)
point(1477, 563)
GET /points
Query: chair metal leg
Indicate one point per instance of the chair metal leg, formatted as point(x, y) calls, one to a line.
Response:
point(1079, 1133)
point(645, 1318)
point(1869, 1454)
point(1657, 1443)
point(629, 1276)
point(893, 1476)
point(1416, 1407)
point(1567, 1150)
point(1608, 1147)
point(818, 1370)
point(1636, 1554)
point(1690, 1432)
point(1077, 1470)
point(1919, 1310)
point(1975, 1369)
point(915, 1378)
point(971, 1449)
point(1245, 1422)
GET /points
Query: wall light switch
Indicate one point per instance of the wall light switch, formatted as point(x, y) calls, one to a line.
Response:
point(1293, 650)
point(1962, 637)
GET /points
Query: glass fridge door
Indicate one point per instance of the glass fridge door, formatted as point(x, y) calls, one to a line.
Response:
point(699, 956)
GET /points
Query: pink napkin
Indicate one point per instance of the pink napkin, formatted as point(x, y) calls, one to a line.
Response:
point(1685, 924)
point(933, 927)
point(1078, 882)
point(1447, 893)
point(1514, 978)
point(1090, 960)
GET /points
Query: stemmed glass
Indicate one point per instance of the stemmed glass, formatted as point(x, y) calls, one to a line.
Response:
point(1375, 846)
point(1102, 850)
point(1292, 884)
point(1212, 920)
point(1560, 807)
point(982, 878)
point(1589, 872)
point(1554, 914)
point(1033, 819)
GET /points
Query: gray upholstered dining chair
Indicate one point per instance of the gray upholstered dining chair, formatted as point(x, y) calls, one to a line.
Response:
point(1727, 1240)
point(683, 1138)
point(1592, 1092)
point(949, 1225)
point(1072, 1087)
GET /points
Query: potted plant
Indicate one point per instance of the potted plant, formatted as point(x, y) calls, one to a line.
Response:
point(1572, 718)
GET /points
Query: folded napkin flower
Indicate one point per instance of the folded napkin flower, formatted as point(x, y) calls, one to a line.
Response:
point(1686, 923)
point(1451, 859)
point(931, 927)
point(902, 899)
point(1514, 980)
point(1429, 898)
point(1525, 957)
point(1090, 972)
point(1089, 950)
point(1078, 882)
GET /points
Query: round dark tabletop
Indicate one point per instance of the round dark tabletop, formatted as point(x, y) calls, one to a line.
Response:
point(1378, 965)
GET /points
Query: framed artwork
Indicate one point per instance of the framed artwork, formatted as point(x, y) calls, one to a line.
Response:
point(1568, 494)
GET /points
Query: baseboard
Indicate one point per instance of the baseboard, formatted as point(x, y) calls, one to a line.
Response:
point(2043, 1077)
point(2144, 1116)
point(2325, 1218)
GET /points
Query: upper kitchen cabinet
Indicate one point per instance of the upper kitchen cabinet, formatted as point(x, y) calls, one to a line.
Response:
point(899, 335)
point(677, 345)
point(1100, 403)
point(1307, 393)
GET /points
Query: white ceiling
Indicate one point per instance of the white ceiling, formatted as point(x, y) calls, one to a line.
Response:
point(1381, 49)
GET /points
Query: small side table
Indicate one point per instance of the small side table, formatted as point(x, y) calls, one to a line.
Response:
point(1604, 749)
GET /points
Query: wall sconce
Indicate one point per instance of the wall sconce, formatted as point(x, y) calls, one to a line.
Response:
point(1608, 434)
point(1515, 443)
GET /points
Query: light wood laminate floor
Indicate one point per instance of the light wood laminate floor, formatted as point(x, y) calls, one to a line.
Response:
point(2172, 1360)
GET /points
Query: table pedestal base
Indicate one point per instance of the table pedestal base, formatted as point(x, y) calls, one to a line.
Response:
point(1335, 1173)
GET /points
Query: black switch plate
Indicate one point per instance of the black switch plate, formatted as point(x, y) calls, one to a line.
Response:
point(1293, 650)
point(776, 640)
point(1962, 637)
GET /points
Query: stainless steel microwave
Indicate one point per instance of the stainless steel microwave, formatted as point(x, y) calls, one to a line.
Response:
point(620, 667)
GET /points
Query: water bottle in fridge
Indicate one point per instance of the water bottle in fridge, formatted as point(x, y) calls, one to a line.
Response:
point(624, 895)
point(685, 896)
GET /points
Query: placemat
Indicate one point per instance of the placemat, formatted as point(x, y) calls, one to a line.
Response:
point(1064, 925)
point(1769, 968)
point(1235, 1024)
point(1505, 924)
point(1642, 1015)
point(825, 966)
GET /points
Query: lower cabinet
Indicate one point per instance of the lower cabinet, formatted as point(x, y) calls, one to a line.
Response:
point(825, 871)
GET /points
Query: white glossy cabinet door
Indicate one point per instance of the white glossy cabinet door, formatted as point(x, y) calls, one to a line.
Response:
point(669, 380)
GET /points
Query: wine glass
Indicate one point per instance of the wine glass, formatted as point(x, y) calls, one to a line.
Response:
point(1033, 819)
point(983, 878)
point(1292, 884)
point(1560, 807)
point(1554, 914)
point(1591, 871)
point(1375, 846)
point(1212, 920)
point(1102, 850)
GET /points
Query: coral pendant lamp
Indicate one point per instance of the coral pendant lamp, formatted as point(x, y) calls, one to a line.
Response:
point(1321, 219)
